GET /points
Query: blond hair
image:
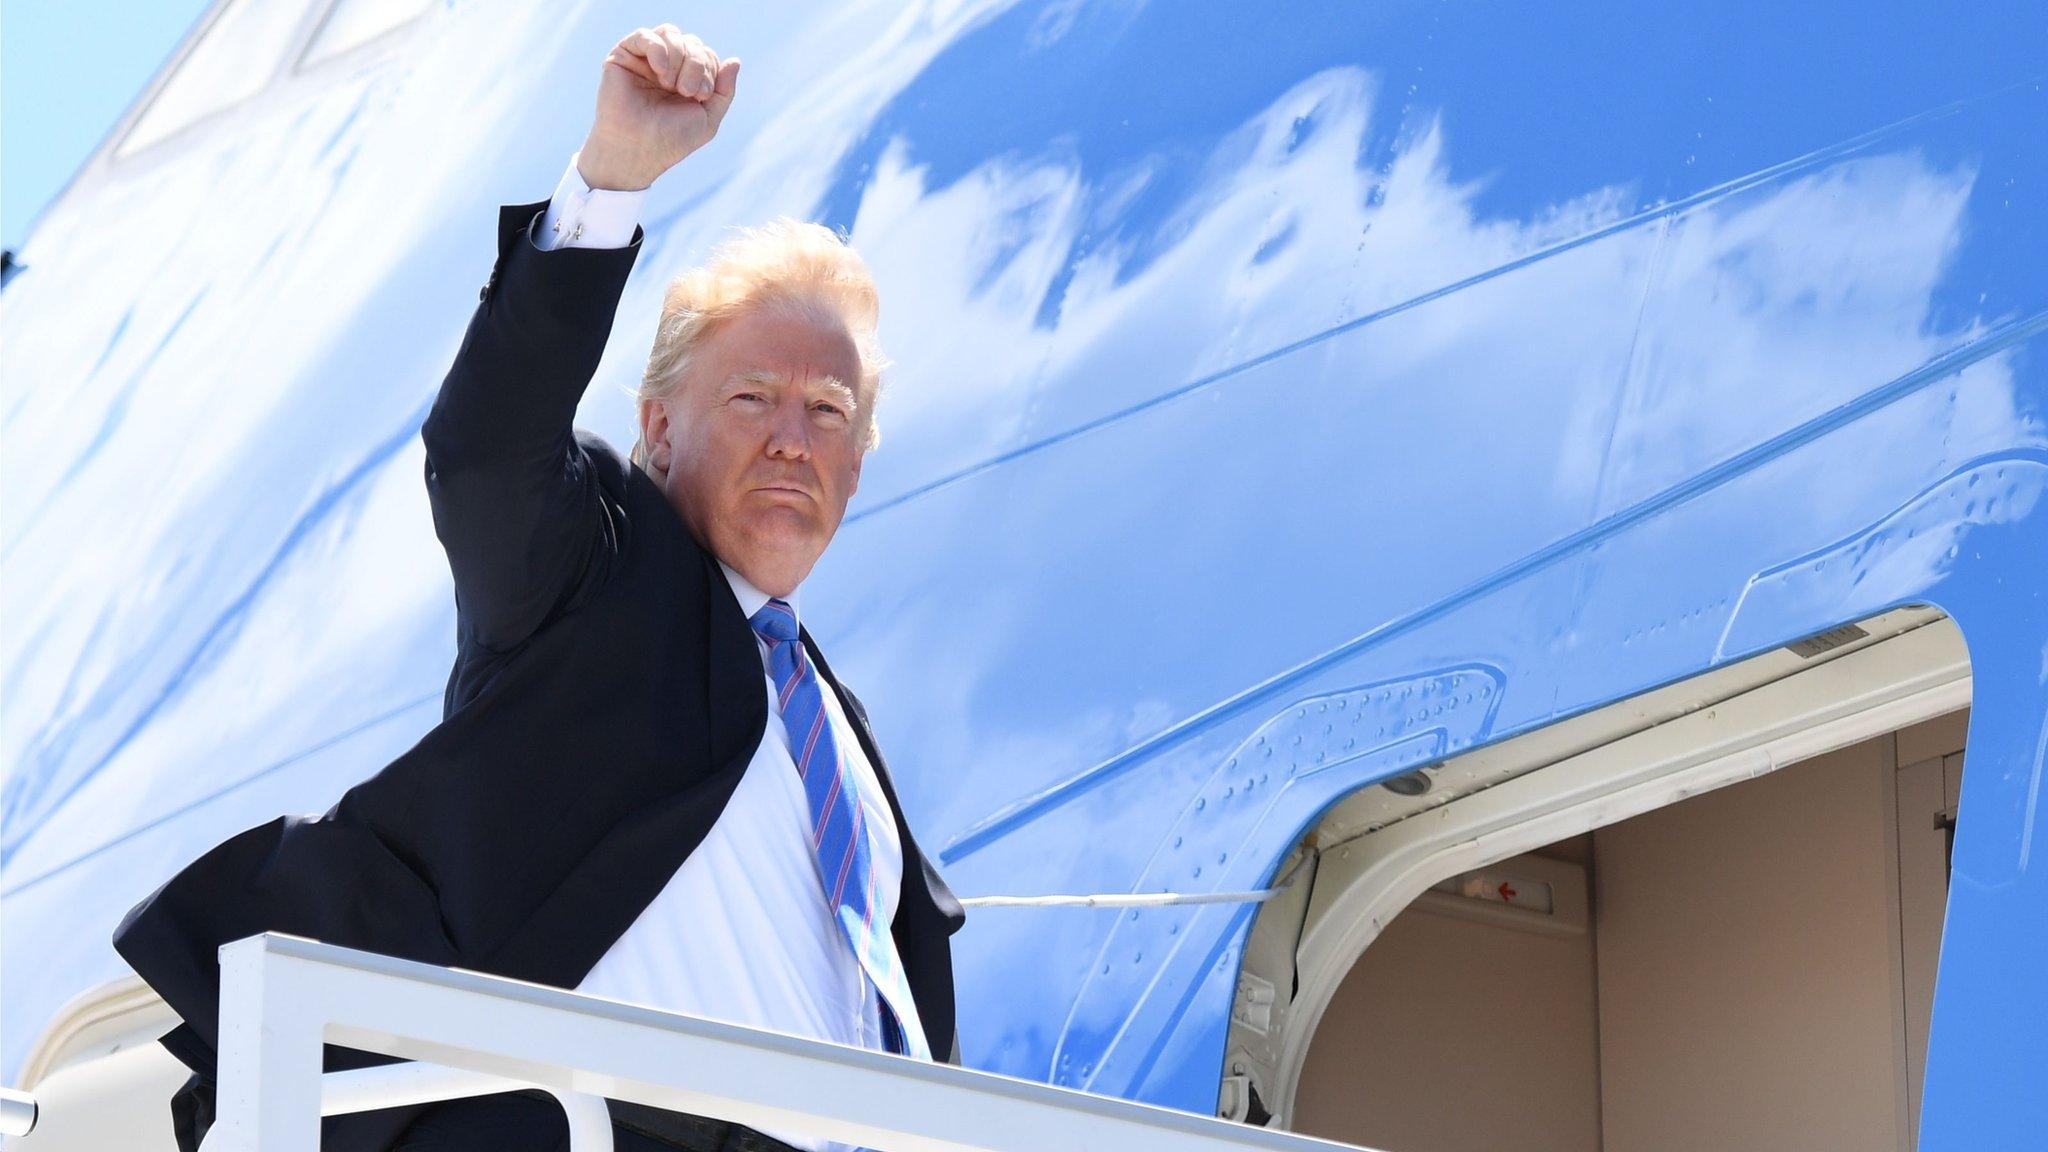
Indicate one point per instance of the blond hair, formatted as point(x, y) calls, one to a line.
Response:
point(793, 266)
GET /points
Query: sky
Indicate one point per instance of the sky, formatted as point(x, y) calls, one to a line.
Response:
point(68, 69)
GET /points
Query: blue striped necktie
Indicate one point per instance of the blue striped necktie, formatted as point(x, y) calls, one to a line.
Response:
point(839, 835)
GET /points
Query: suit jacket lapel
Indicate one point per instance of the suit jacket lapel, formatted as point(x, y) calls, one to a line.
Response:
point(739, 708)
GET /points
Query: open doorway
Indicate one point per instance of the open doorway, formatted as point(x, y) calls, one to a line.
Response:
point(1707, 918)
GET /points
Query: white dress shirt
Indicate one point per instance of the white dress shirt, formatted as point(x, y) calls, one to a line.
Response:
point(742, 931)
point(580, 216)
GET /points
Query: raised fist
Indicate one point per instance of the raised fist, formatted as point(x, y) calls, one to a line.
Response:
point(661, 97)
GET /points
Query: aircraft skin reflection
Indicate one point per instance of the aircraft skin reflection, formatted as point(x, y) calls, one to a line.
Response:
point(1247, 361)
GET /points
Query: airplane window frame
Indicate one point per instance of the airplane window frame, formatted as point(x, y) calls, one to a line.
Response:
point(294, 66)
point(304, 61)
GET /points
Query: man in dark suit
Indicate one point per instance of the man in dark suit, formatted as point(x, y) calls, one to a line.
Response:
point(647, 783)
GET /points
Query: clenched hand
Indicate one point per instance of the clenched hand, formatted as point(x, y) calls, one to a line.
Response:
point(661, 97)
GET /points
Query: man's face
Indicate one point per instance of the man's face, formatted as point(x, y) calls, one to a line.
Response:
point(758, 447)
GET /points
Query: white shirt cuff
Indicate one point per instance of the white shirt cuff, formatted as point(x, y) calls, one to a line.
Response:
point(580, 216)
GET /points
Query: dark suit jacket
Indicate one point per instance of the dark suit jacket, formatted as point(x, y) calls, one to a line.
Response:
point(606, 699)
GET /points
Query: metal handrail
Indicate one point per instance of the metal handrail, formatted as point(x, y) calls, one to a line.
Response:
point(282, 997)
point(397, 1085)
point(17, 1112)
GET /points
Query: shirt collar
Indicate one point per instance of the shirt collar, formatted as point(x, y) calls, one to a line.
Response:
point(751, 598)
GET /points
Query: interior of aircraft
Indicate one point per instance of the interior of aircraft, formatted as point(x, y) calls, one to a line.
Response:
point(1749, 965)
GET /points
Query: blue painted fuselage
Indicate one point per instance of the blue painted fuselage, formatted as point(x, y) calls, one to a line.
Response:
point(1244, 353)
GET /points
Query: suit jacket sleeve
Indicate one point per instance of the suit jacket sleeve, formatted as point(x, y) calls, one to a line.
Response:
point(322, 877)
point(515, 500)
point(517, 506)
